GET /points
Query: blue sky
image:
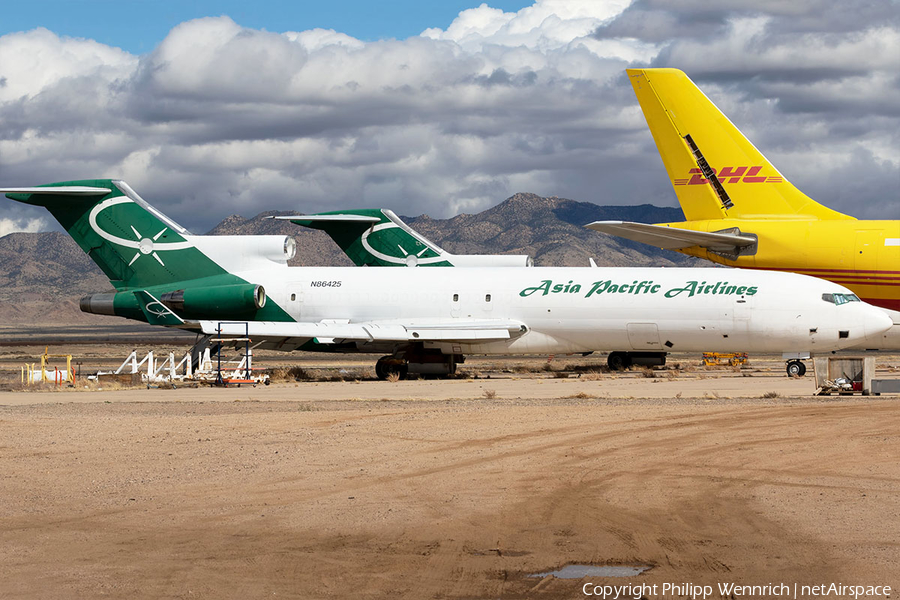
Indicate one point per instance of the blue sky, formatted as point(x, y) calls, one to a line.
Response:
point(139, 25)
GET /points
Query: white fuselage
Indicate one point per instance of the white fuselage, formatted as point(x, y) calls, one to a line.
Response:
point(587, 309)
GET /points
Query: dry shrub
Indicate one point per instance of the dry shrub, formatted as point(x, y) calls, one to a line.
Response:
point(288, 374)
point(648, 373)
point(770, 395)
point(581, 396)
point(490, 394)
point(673, 374)
point(560, 375)
point(592, 376)
point(393, 377)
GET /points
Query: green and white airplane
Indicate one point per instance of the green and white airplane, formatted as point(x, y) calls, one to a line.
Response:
point(376, 237)
point(426, 320)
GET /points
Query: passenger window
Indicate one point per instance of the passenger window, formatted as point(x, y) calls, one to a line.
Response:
point(456, 297)
point(487, 297)
point(293, 297)
point(828, 298)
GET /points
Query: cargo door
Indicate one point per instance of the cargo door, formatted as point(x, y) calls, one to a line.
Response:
point(868, 244)
point(643, 336)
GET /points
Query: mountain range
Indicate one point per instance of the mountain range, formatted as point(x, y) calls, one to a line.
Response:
point(43, 275)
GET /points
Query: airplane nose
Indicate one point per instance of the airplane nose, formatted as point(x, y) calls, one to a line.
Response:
point(876, 322)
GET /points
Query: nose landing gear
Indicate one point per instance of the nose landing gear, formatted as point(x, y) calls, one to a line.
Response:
point(795, 368)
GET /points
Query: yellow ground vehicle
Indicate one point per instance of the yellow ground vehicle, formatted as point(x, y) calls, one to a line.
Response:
point(712, 359)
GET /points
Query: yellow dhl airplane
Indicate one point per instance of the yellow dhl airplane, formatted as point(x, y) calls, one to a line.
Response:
point(742, 212)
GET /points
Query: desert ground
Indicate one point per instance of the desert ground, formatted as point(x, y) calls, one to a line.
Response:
point(463, 488)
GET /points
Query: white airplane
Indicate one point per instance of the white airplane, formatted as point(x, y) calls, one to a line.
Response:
point(426, 320)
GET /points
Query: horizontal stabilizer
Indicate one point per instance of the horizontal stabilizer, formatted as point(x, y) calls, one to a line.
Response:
point(673, 238)
point(482, 330)
point(67, 190)
point(300, 219)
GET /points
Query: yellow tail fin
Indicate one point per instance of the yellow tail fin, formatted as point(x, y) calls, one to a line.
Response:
point(716, 172)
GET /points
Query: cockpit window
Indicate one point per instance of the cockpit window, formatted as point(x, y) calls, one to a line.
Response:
point(840, 298)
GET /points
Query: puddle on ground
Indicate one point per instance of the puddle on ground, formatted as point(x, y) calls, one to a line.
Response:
point(579, 571)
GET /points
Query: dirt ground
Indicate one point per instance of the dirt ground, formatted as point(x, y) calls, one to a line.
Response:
point(446, 489)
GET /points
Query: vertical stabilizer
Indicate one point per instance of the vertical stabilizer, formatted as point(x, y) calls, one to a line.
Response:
point(716, 172)
point(134, 244)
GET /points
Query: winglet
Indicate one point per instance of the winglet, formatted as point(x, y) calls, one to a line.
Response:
point(156, 312)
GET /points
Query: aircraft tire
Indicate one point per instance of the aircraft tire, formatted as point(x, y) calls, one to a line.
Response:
point(380, 369)
point(387, 365)
point(795, 368)
point(618, 361)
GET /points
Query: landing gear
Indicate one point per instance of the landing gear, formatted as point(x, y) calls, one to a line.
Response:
point(795, 368)
point(417, 361)
point(390, 365)
point(619, 361)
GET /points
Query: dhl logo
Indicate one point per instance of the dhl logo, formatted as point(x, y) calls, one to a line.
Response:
point(730, 175)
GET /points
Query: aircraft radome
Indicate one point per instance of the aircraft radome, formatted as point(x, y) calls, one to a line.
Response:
point(742, 212)
point(426, 320)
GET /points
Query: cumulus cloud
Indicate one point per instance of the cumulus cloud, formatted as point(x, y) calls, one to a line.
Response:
point(238, 120)
point(8, 226)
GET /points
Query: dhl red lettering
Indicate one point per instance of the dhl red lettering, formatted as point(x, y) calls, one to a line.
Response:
point(734, 173)
point(730, 175)
point(698, 178)
point(750, 176)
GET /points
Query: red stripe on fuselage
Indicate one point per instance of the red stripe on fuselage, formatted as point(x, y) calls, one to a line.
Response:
point(890, 304)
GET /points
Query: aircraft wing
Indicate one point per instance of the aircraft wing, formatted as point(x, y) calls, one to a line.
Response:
point(673, 238)
point(333, 332)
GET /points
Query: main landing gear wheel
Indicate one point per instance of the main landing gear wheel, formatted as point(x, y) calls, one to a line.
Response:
point(795, 368)
point(388, 365)
point(618, 361)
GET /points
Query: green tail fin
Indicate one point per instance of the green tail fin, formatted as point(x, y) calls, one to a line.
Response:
point(134, 244)
point(376, 238)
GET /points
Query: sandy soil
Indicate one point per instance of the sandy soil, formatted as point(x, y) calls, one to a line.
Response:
point(431, 490)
